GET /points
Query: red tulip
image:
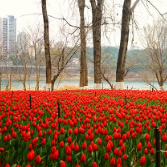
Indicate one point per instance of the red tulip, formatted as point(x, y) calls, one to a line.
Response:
point(70, 131)
point(76, 148)
point(5, 138)
point(90, 148)
point(49, 131)
point(125, 157)
point(115, 151)
point(91, 136)
point(145, 151)
point(53, 142)
point(107, 138)
point(7, 165)
point(43, 141)
point(28, 165)
point(2, 149)
point(53, 149)
point(38, 159)
point(139, 146)
point(62, 164)
point(62, 131)
point(83, 158)
point(149, 145)
point(95, 148)
point(166, 154)
point(94, 164)
point(69, 139)
point(152, 151)
point(147, 137)
point(61, 144)
point(14, 134)
point(120, 153)
point(30, 155)
point(86, 137)
point(108, 147)
point(112, 162)
point(99, 141)
point(106, 156)
point(124, 137)
point(72, 146)
point(40, 133)
point(148, 128)
point(143, 160)
point(68, 151)
point(115, 135)
point(30, 146)
point(68, 158)
point(55, 137)
point(84, 146)
point(154, 142)
point(119, 161)
point(56, 155)
point(121, 142)
point(76, 131)
point(123, 148)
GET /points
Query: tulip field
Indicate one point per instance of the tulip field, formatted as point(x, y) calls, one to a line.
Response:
point(94, 128)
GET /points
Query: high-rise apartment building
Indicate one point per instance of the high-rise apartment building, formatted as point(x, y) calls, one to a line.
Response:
point(7, 36)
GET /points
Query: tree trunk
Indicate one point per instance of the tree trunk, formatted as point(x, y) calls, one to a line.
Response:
point(126, 14)
point(54, 79)
point(47, 45)
point(0, 80)
point(107, 80)
point(96, 25)
point(83, 63)
point(37, 85)
point(36, 68)
point(10, 81)
point(24, 77)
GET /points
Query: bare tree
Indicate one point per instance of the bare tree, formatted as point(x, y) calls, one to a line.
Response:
point(36, 51)
point(7, 66)
point(46, 43)
point(106, 68)
point(96, 28)
point(24, 57)
point(126, 16)
point(11, 70)
point(156, 50)
point(107, 71)
point(106, 74)
point(147, 77)
point(83, 63)
point(1, 58)
point(61, 54)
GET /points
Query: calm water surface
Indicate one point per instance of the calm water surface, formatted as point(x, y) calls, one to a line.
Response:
point(32, 84)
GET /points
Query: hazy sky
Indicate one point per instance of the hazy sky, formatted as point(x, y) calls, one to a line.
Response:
point(57, 8)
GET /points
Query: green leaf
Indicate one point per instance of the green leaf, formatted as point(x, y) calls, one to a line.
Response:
point(14, 165)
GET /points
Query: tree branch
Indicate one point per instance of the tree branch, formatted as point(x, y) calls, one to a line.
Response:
point(134, 5)
point(156, 9)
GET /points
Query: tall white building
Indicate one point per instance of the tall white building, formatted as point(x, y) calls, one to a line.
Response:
point(7, 36)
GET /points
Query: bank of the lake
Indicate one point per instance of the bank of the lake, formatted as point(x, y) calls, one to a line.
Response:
point(16, 85)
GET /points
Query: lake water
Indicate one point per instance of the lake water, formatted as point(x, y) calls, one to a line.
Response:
point(32, 84)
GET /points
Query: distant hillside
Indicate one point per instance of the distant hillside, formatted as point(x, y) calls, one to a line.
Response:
point(112, 54)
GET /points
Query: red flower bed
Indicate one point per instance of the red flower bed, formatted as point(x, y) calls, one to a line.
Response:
point(96, 129)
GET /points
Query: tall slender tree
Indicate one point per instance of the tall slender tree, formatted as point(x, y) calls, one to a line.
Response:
point(97, 6)
point(126, 16)
point(46, 43)
point(83, 62)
